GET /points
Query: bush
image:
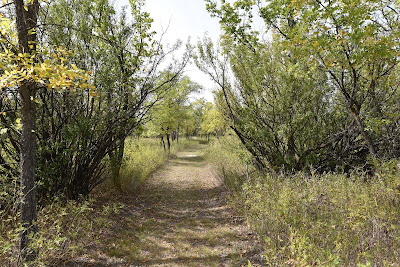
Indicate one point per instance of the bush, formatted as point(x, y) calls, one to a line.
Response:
point(62, 229)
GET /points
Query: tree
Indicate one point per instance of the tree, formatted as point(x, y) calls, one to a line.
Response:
point(81, 132)
point(276, 105)
point(213, 121)
point(169, 114)
point(353, 42)
point(26, 21)
point(86, 138)
point(194, 117)
point(357, 48)
point(24, 68)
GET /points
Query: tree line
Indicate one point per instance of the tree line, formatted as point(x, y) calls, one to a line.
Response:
point(177, 115)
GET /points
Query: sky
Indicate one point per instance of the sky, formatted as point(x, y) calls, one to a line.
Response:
point(181, 19)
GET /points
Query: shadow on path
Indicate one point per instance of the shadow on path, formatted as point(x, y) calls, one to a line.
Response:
point(181, 218)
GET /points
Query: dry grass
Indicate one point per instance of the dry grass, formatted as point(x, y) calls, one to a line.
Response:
point(318, 220)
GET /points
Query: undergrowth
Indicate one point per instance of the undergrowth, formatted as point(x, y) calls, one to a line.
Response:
point(68, 229)
point(331, 219)
point(142, 157)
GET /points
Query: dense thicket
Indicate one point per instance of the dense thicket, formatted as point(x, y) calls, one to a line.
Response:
point(322, 90)
point(80, 132)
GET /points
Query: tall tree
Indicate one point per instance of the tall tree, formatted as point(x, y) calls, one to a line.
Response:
point(25, 68)
point(26, 21)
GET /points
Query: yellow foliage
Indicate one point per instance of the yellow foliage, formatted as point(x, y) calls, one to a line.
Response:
point(54, 71)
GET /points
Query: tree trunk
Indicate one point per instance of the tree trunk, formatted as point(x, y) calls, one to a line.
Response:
point(28, 170)
point(116, 158)
point(169, 144)
point(163, 143)
point(26, 20)
point(367, 139)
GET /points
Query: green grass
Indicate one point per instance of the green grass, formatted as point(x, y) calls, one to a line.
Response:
point(141, 158)
point(317, 220)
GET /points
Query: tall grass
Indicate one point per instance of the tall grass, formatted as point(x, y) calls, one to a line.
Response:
point(142, 157)
point(229, 159)
point(318, 220)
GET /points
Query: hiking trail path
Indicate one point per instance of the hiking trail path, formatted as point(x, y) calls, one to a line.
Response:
point(182, 218)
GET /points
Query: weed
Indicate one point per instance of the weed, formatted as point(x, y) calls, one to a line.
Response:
point(142, 157)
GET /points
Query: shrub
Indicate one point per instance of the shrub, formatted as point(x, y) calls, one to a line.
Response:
point(62, 227)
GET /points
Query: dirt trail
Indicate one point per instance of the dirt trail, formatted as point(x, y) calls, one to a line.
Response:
point(181, 218)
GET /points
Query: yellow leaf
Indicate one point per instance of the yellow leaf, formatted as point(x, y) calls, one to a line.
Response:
point(4, 2)
point(315, 44)
point(26, 8)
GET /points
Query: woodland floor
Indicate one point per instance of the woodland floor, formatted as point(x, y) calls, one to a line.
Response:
point(180, 218)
